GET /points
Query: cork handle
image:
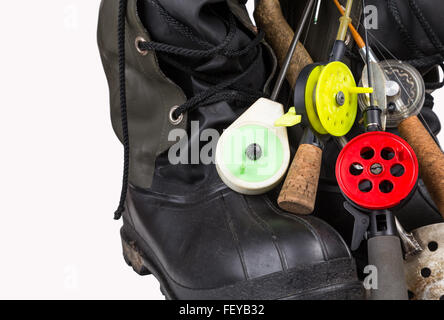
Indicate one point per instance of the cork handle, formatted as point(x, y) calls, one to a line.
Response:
point(269, 18)
point(430, 158)
point(298, 195)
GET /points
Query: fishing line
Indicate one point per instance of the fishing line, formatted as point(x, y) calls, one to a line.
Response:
point(376, 45)
point(290, 97)
point(367, 57)
point(308, 29)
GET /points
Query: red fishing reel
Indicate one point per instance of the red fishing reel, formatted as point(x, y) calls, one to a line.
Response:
point(377, 170)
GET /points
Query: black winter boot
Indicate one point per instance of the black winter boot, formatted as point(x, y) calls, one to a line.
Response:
point(188, 69)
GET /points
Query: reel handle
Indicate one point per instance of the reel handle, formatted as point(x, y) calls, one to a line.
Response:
point(430, 158)
point(298, 194)
point(385, 253)
point(269, 18)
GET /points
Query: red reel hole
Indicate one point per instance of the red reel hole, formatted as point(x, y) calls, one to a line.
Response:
point(387, 154)
point(365, 186)
point(386, 186)
point(397, 170)
point(367, 153)
point(356, 169)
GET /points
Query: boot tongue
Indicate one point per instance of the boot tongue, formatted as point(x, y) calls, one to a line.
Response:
point(177, 23)
point(200, 16)
point(206, 19)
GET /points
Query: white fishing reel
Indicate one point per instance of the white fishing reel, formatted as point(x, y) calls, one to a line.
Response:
point(252, 155)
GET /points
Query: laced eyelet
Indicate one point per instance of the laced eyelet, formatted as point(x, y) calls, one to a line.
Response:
point(138, 41)
point(175, 121)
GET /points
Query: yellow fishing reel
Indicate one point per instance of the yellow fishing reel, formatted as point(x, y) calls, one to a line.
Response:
point(327, 98)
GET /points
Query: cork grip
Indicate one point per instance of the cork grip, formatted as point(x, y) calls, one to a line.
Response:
point(298, 194)
point(430, 158)
point(269, 18)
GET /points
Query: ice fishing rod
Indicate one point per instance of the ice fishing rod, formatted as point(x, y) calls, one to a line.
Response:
point(386, 176)
point(252, 155)
point(406, 94)
point(374, 72)
point(373, 122)
point(377, 171)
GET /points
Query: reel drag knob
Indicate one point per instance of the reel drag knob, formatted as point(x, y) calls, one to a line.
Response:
point(377, 170)
point(252, 155)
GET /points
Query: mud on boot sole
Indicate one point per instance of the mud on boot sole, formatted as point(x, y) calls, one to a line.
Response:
point(134, 258)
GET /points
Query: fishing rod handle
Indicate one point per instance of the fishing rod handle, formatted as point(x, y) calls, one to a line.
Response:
point(269, 18)
point(430, 158)
point(298, 194)
point(385, 253)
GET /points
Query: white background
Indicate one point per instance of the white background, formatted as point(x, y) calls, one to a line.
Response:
point(60, 164)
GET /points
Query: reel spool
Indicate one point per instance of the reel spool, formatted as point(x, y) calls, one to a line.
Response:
point(405, 90)
point(425, 271)
point(327, 98)
point(252, 155)
point(377, 170)
point(337, 98)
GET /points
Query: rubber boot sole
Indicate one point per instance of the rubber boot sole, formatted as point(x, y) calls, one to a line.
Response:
point(332, 280)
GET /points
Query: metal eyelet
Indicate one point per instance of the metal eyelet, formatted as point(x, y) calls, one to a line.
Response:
point(172, 119)
point(138, 41)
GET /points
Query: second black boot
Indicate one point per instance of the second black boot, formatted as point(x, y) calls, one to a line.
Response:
point(190, 71)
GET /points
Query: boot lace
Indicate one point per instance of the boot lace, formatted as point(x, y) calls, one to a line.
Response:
point(228, 90)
